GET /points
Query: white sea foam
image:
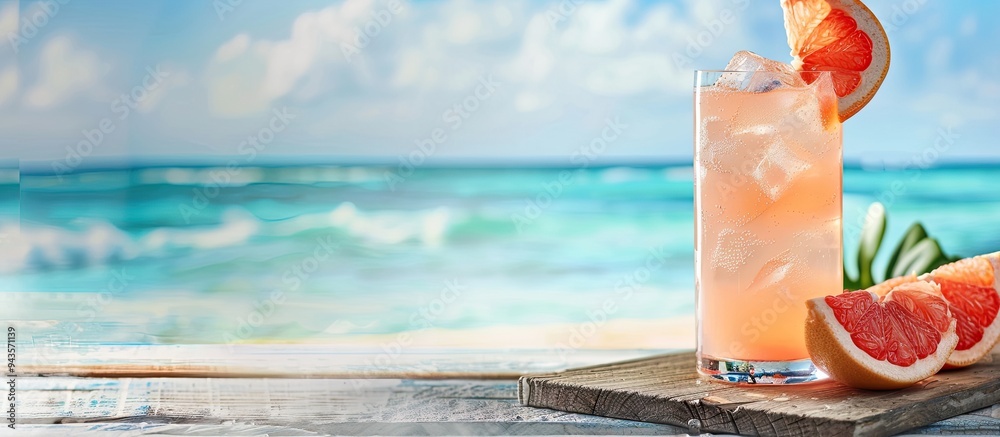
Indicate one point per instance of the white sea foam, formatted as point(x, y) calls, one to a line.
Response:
point(210, 176)
point(37, 247)
point(45, 246)
point(617, 175)
point(242, 173)
point(392, 227)
point(236, 228)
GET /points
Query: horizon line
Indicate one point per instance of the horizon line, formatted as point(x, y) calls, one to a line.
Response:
point(98, 164)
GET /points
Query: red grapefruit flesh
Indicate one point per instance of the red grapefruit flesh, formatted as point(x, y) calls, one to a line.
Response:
point(972, 288)
point(885, 287)
point(879, 344)
point(843, 37)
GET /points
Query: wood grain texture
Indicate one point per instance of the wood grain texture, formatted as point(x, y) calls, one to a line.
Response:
point(666, 389)
point(126, 407)
point(54, 406)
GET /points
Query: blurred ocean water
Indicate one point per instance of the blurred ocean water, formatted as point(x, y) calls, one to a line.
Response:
point(201, 254)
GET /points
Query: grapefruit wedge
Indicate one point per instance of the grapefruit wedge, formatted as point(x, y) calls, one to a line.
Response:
point(885, 343)
point(843, 37)
point(972, 288)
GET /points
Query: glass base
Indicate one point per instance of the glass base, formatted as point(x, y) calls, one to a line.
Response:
point(759, 372)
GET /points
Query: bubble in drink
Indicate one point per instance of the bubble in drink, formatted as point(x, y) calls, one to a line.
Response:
point(733, 247)
point(775, 273)
point(768, 188)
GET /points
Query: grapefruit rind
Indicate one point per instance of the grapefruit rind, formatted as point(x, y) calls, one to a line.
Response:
point(884, 288)
point(991, 333)
point(872, 76)
point(833, 351)
point(968, 357)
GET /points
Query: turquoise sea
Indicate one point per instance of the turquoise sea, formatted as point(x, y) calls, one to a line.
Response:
point(203, 254)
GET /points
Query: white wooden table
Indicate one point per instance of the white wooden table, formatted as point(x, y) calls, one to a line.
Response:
point(297, 407)
point(293, 393)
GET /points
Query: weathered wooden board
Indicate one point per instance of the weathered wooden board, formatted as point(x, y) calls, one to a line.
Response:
point(127, 407)
point(666, 389)
point(124, 407)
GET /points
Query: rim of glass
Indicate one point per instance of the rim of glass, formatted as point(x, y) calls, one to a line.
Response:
point(760, 71)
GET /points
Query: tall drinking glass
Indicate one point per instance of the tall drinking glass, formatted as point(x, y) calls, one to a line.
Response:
point(768, 192)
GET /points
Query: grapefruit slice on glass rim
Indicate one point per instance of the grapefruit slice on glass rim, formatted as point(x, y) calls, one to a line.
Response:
point(883, 343)
point(843, 37)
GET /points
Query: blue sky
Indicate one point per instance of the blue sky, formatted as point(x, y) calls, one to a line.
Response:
point(561, 70)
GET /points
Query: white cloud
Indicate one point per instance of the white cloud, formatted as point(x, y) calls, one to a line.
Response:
point(969, 26)
point(430, 57)
point(960, 96)
point(532, 101)
point(463, 27)
point(605, 56)
point(433, 48)
point(175, 80)
point(503, 15)
point(234, 87)
point(412, 68)
point(535, 60)
point(596, 28)
point(460, 23)
point(232, 48)
point(635, 74)
point(598, 48)
point(8, 84)
point(8, 21)
point(64, 71)
point(939, 54)
point(243, 82)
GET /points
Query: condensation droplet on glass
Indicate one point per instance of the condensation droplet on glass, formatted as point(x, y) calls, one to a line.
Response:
point(694, 426)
